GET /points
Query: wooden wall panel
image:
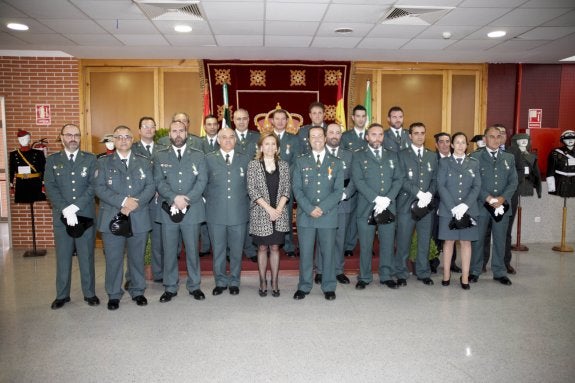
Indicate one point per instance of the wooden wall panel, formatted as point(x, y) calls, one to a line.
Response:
point(463, 104)
point(118, 98)
point(182, 93)
point(419, 95)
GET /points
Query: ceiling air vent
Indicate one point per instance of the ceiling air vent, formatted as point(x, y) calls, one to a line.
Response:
point(171, 10)
point(414, 15)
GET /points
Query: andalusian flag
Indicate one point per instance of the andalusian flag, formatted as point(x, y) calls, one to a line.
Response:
point(206, 110)
point(367, 103)
point(226, 120)
point(339, 109)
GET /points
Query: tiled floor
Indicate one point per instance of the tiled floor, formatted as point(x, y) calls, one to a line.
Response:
point(492, 333)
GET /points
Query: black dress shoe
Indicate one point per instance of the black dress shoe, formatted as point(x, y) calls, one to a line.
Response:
point(291, 254)
point(426, 281)
point(342, 278)
point(360, 285)
point(401, 282)
point(234, 290)
point(59, 303)
point(198, 295)
point(317, 279)
point(113, 304)
point(299, 295)
point(464, 286)
point(473, 278)
point(329, 295)
point(348, 253)
point(218, 290)
point(503, 280)
point(455, 269)
point(204, 253)
point(140, 300)
point(167, 296)
point(510, 269)
point(390, 283)
point(159, 280)
point(92, 301)
point(445, 283)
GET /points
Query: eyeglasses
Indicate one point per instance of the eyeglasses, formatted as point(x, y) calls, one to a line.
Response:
point(120, 137)
point(70, 136)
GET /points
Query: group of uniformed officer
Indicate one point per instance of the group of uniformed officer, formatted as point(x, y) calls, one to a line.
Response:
point(343, 185)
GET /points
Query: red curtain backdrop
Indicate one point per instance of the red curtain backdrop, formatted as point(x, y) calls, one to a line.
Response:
point(258, 86)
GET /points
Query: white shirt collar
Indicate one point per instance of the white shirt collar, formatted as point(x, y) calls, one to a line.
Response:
point(279, 134)
point(231, 153)
point(74, 153)
point(415, 149)
point(321, 155)
point(182, 149)
point(330, 149)
point(441, 155)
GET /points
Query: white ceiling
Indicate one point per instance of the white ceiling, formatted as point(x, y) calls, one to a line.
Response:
point(538, 31)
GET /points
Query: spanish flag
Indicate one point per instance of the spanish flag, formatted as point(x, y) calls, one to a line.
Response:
point(339, 109)
point(206, 109)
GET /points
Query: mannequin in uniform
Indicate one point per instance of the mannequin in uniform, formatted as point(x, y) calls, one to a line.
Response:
point(529, 164)
point(561, 167)
point(107, 140)
point(27, 171)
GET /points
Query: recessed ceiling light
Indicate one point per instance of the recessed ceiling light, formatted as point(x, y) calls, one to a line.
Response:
point(17, 26)
point(496, 34)
point(183, 28)
point(572, 58)
point(343, 31)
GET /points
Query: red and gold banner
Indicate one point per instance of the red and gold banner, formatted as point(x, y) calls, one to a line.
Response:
point(258, 86)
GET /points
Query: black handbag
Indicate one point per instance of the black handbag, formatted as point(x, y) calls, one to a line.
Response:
point(78, 230)
point(121, 225)
point(464, 223)
point(176, 218)
point(382, 218)
point(491, 210)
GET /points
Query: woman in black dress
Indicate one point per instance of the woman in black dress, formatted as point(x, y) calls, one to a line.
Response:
point(269, 189)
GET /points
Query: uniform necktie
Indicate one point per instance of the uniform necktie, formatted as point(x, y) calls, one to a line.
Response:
point(398, 135)
point(243, 138)
point(179, 154)
point(460, 161)
point(377, 156)
point(419, 153)
point(227, 159)
point(361, 136)
point(148, 149)
point(125, 161)
point(212, 142)
point(494, 155)
point(318, 162)
point(72, 158)
point(333, 152)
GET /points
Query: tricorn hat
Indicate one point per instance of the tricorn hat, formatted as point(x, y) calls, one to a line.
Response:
point(121, 225)
point(568, 134)
point(382, 218)
point(107, 138)
point(78, 230)
point(417, 212)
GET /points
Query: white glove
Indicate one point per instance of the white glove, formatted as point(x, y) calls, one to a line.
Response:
point(70, 209)
point(499, 211)
point(424, 198)
point(343, 197)
point(461, 209)
point(381, 203)
point(184, 210)
point(550, 184)
point(71, 219)
point(173, 210)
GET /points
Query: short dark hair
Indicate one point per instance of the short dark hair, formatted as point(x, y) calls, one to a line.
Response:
point(315, 127)
point(209, 116)
point(358, 107)
point(394, 109)
point(437, 136)
point(374, 125)
point(316, 104)
point(455, 135)
point(144, 119)
point(280, 111)
point(415, 125)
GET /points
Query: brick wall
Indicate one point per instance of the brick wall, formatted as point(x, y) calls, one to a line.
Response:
point(25, 82)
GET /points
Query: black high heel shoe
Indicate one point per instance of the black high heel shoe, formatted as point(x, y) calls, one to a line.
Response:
point(275, 293)
point(464, 286)
point(263, 293)
point(446, 283)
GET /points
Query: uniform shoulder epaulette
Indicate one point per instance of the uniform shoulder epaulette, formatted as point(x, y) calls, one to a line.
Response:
point(195, 149)
point(472, 158)
point(163, 148)
point(140, 155)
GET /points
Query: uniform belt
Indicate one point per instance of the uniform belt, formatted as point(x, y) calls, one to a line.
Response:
point(31, 175)
point(565, 173)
